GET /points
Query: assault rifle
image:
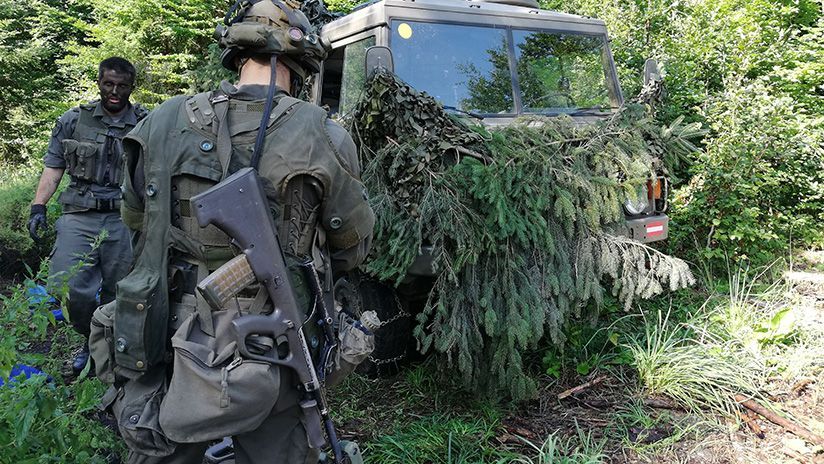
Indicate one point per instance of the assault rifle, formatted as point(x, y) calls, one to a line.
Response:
point(238, 206)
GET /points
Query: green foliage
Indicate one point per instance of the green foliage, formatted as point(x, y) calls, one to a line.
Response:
point(589, 346)
point(700, 371)
point(517, 218)
point(17, 249)
point(43, 422)
point(580, 449)
point(760, 182)
point(21, 320)
point(439, 439)
point(753, 72)
point(343, 6)
point(32, 40)
point(168, 41)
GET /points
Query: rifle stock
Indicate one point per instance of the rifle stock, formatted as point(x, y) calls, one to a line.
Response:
point(239, 207)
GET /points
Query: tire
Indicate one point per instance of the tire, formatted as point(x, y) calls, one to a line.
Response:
point(358, 293)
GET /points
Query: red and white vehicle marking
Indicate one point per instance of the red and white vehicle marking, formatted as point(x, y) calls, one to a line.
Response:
point(655, 228)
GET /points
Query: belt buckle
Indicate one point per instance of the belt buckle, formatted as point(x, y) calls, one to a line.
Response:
point(105, 204)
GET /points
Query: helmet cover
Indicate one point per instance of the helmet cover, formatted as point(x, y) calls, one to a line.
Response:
point(270, 27)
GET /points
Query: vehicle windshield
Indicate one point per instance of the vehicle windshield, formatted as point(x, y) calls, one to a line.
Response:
point(471, 68)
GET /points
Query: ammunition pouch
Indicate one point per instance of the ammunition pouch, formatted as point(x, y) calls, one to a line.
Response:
point(141, 322)
point(101, 342)
point(136, 407)
point(81, 159)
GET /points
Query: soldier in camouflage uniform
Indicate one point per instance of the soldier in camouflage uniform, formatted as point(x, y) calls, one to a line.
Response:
point(309, 167)
point(87, 143)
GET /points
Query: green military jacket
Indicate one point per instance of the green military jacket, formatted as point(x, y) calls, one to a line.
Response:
point(174, 154)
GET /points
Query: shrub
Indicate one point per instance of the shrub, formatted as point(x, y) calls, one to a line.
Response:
point(758, 185)
point(44, 422)
point(17, 249)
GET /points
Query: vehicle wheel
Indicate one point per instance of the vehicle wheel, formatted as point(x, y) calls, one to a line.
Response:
point(358, 293)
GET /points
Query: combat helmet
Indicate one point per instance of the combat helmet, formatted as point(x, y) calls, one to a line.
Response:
point(270, 27)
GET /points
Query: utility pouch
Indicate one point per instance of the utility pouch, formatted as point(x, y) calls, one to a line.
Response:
point(142, 318)
point(245, 35)
point(355, 343)
point(101, 342)
point(214, 393)
point(81, 159)
point(136, 407)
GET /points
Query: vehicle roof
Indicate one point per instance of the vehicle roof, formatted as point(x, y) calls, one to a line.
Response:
point(380, 12)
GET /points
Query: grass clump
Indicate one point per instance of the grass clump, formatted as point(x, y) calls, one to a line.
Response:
point(440, 438)
point(700, 371)
point(581, 448)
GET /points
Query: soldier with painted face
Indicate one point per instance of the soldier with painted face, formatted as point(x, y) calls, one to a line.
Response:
point(86, 143)
point(309, 169)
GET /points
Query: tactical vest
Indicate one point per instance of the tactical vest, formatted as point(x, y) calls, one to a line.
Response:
point(94, 155)
point(190, 144)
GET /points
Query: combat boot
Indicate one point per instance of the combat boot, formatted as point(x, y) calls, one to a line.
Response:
point(75, 365)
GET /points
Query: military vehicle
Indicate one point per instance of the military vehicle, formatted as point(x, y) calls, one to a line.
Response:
point(493, 61)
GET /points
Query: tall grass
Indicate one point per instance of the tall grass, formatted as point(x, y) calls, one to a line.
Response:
point(577, 449)
point(439, 439)
point(698, 370)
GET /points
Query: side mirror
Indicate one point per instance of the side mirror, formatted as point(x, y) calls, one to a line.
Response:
point(651, 71)
point(378, 56)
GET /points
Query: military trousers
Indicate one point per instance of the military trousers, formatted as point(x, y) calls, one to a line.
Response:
point(86, 269)
point(280, 439)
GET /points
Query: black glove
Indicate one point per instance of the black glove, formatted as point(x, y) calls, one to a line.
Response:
point(37, 220)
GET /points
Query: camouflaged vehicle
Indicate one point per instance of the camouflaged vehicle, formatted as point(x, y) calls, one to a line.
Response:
point(493, 61)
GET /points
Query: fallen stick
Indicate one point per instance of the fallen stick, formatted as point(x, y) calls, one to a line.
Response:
point(788, 425)
point(581, 387)
point(749, 417)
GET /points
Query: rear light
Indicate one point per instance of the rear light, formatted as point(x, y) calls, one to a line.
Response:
point(658, 190)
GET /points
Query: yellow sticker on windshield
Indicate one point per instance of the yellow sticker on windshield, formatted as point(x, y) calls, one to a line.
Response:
point(405, 30)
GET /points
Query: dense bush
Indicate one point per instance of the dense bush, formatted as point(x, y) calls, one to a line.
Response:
point(760, 182)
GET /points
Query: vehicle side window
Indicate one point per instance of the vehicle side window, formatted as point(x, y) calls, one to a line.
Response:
point(344, 76)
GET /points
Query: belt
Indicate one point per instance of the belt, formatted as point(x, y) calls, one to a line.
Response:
point(109, 204)
point(84, 200)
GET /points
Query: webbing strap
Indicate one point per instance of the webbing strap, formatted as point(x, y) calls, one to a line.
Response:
point(260, 300)
point(204, 311)
point(267, 110)
point(224, 138)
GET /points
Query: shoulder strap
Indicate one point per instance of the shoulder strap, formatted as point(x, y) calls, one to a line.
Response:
point(86, 120)
point(224, 139)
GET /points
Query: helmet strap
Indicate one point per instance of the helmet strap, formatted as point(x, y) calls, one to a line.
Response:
point(228, 19)
point(267, 111)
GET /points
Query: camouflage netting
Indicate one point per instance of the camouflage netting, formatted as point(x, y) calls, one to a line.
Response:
point(517, 217)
